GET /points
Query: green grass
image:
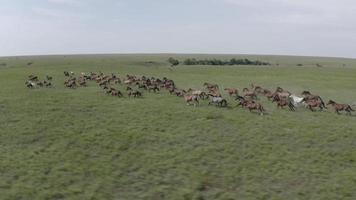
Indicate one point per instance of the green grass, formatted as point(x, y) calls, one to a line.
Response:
point(81, 144)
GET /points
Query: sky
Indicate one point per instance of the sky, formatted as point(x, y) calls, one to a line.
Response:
point(281, 27)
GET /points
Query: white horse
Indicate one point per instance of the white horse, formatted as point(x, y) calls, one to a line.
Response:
point(219, 101)
point(30, 84)
point(297, 101)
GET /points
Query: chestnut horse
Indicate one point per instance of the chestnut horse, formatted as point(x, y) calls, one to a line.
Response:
point(192, 99)
point(313, 103)
point(340, 107)
point(308, 96)
point(250, 104)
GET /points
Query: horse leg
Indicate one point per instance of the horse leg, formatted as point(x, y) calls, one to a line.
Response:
point(310, 107)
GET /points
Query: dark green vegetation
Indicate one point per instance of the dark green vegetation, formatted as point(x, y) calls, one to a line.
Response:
point(217, 62)
point(81, 144)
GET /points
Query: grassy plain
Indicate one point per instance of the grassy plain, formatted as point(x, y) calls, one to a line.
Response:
point(60, 143)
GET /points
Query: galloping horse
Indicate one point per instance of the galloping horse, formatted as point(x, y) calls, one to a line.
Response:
point(232, 91)
point(313, 103)
point(249, 93)
point(282, 102)
point(250, 104)
point(340, 107)
point(135, 94)
point(308, 96)
point(297, 101)
point(191, 99)
point(218, 101)
point(153, 88)
point(211, 86)
point(256, 88)
point(30, 84)
point(200, 93)
point(33, 78)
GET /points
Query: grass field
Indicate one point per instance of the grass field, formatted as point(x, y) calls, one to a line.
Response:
point(60, 143)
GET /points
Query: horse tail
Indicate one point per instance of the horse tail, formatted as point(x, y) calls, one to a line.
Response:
point(349, 107)
point(224, 102)
point(322, 102)
point(262, 109)
point(291, 106)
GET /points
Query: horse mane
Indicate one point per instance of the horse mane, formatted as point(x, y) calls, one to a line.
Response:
point(306, 92)
point(332, 102)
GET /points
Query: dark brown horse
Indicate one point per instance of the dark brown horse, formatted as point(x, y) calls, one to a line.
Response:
point(153, 88)
point(250, 104)
point(282, 102)
point(308, 96)
point(313, 103)
point(135, 94)
point(340, 107)
point(116, 93)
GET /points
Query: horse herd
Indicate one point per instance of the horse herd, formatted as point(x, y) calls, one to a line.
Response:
point(135, 85)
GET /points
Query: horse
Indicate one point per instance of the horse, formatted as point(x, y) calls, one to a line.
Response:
point(256, 88)
point(82, 83)
point(200, 93)
point(297, 101)
point(180, 93)
point(313, 103)
point(135, 94)
point(248, 93)
point(282, 102)
point(116, 93)
point(250, 104)
point(153, 88)
point(340, 107)
point(47, 84)
point(191, 99)
point(49, 78)
point(30, 84)
point(308, 96)
point(232, 91)
point(210, 86)
point(214, 94)
point(218, 101)
point(268, 94)
point(66, 73)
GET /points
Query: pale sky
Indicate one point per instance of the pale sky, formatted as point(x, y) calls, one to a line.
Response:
point(283, 27)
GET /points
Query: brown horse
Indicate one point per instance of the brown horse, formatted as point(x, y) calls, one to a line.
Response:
point(250, 104)
point(135, 94)
point(249, 93)
point(192, 99)
point(116, 93)
point(256, 88)
point(313, 103)
point(268, 94)
point(308, 96)
point(210, 86)
point(340, 107)
point(232, 91)
point(282, 102)
point(153, 88)
point(214, 94)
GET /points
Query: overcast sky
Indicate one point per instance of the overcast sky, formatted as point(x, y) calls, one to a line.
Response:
point(292, 27)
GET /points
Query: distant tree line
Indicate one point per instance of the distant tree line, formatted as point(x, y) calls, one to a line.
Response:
point(234, 61)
